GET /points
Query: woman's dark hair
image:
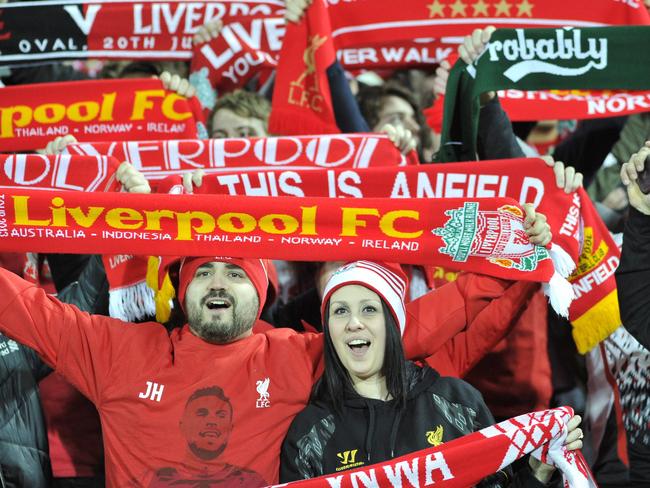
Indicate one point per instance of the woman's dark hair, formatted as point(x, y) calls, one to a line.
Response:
point(335, 385)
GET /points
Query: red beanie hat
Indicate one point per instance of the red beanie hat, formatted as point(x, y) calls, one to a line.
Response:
point(254, 268)
point(387, 280)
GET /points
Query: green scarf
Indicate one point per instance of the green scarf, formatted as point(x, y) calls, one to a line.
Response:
point(536, 59)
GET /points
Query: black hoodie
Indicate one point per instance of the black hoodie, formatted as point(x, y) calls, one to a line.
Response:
point(438, 409)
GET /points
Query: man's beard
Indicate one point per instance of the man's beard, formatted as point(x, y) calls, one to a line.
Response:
point(222, 330)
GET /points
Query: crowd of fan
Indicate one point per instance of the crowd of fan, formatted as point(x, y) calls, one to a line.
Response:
point(50, 434)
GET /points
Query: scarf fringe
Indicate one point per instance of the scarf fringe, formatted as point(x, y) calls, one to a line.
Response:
point(560, 294)
point(597, 323)
point(562, 261)
point(131, 303)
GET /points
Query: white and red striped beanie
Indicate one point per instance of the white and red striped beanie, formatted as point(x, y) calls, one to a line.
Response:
point(386, 279)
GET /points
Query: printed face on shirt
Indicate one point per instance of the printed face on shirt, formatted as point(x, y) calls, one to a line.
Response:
point(221, 303)
point(226, 123)
point(206, 424)
point(398, 112)
point(358, 330)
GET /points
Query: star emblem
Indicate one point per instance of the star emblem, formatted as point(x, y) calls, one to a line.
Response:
point(436, 8)
point(502, 8)
point(525, 8)
point(458, 8)
point(480, 8)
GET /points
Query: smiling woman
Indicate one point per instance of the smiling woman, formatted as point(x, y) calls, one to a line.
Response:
point(371, 405)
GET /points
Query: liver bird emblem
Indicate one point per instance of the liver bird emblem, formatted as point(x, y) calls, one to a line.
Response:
point(434, 437)
point(262, 388)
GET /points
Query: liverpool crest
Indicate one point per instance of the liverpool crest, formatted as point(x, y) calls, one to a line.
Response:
point(496, 235)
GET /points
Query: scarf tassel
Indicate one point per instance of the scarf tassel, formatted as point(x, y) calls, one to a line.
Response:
point(131, 303)
point(163, 293)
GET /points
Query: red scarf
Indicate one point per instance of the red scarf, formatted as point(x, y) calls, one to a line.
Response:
point(59, 172)
point(302, 103)
point(559, 104)
point(572, 104)
point(163, 158)
point(94, 111)
point(241, 51)
point(467, 460)
point(127, 29)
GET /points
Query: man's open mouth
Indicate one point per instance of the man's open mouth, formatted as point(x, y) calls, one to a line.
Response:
point(218, 303)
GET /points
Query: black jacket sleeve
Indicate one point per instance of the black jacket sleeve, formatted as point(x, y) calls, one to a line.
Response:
point(289, 454)
point(90, 291)
point(633, 277)
point(36, 364)
point(66, 268)
point(346, 110)
point(496, 139)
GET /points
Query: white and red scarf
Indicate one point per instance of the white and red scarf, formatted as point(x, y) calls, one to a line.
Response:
point(131, 29)
point(467, 460)
point(159, 159)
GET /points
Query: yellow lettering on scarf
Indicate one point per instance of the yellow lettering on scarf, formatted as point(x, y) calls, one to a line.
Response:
point(53, 113)
point(20, 115)
point(119, 217)
point(141, 102)
point(22, 213)
point(349, 221)
point(247, 222)
point(85, 219)
point(387, 223)
point(308, 221)
point(168, 108)
point(184, 222)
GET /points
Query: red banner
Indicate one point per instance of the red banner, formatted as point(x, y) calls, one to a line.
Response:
point(59, 172)
point(31, 115)
point(370, 22)
point(129, 29)
point(380, 35)
point(163, 158)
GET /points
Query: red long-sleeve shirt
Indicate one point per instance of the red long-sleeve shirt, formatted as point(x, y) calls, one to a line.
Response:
point(158, 394)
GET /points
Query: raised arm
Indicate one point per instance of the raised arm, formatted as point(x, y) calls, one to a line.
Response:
point(438, 316)
point(633, 273)
point(78, 345)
